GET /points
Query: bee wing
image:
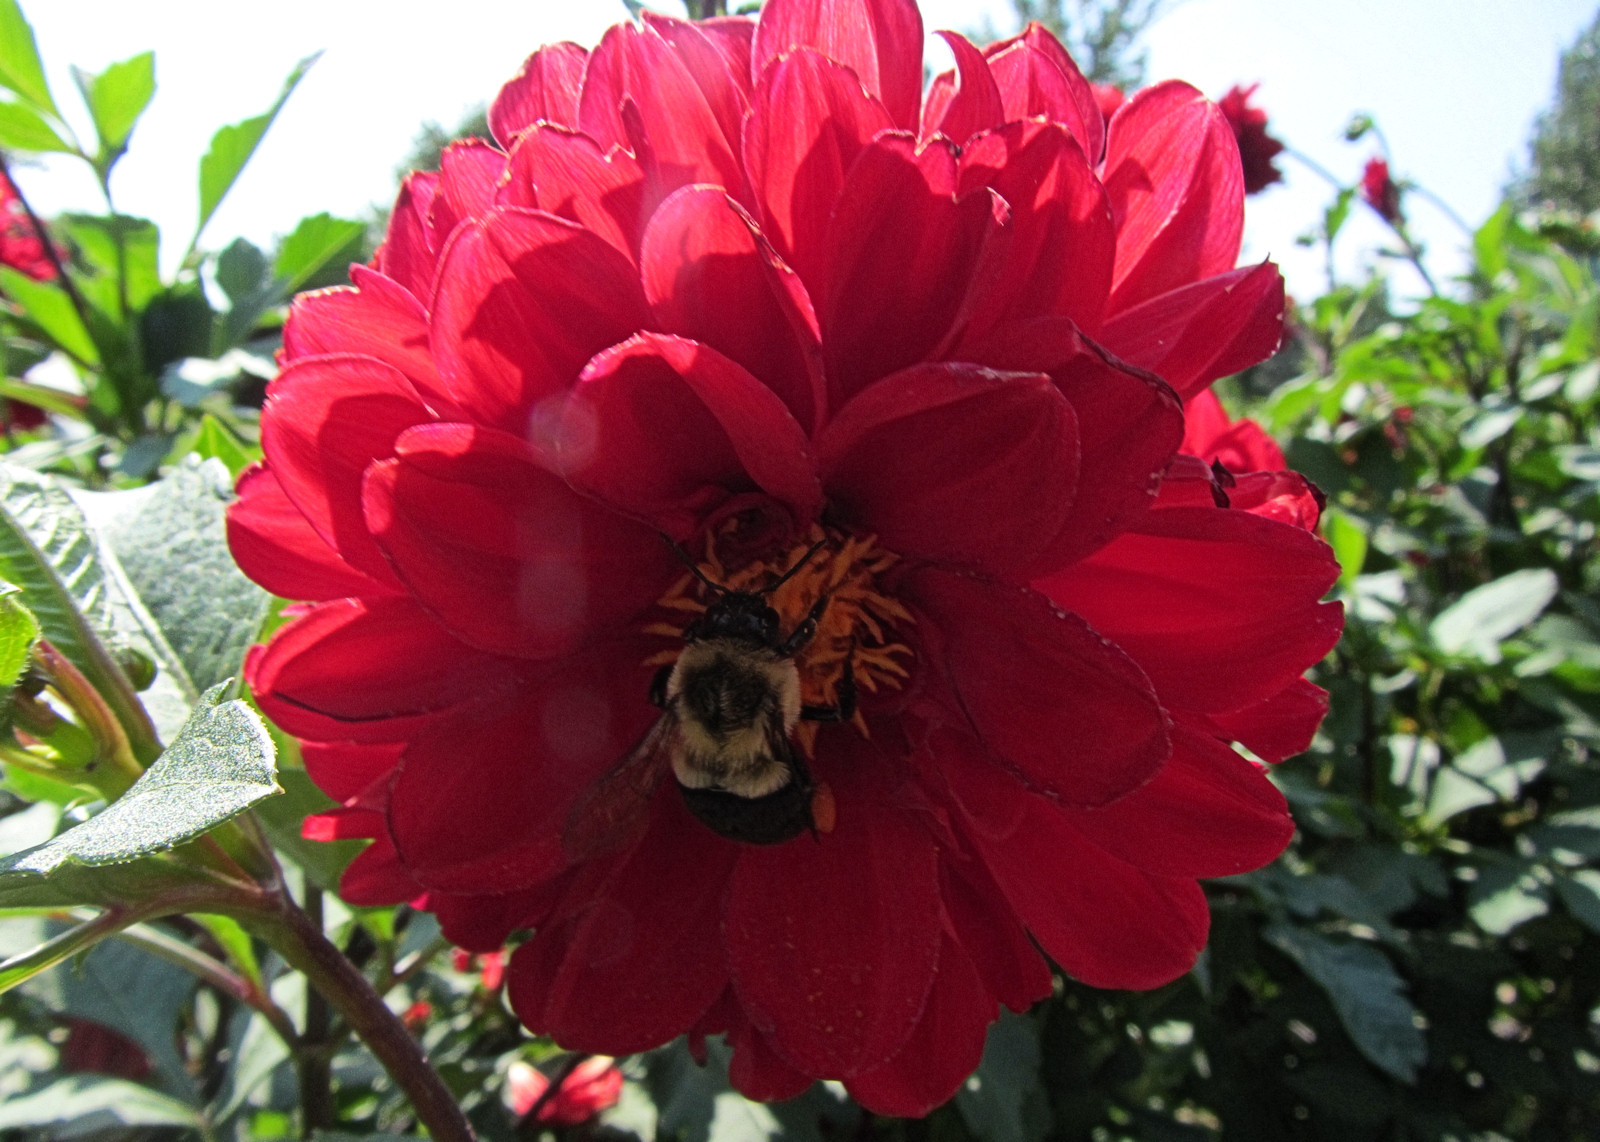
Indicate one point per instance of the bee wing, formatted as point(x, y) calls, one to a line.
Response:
point(614, 808)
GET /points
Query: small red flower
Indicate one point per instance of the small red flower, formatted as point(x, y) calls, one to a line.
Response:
point(94, 1048)
point(1257, 149)
point(922, 358)
point(1380, 191)
point(21, 246)
point(594, 1085)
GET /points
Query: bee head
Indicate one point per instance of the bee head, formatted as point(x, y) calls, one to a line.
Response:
point(737, 615)
point(742, 615)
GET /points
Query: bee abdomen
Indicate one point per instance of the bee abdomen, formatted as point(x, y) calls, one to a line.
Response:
point(770, 820)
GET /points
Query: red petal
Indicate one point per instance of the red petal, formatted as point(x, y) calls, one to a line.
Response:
point(1012, 969)
point(523, 300)
point(325, 420)
point(342, 824)
point(344, 769)
point(277, 547)
point(1219, 607)
point(375, 878)
point(880, 40)
point(734, 37)
point(1129, 426)
point(481, 802)
point(661, 428)
point(1057, 207)
point(482, 924)
point(1060, 706)
point(1037, 77)
point(507, 556)
point(683, 138)
point(1191, 336)
point(810, 119)
point(1105, 922)
point(945, 1048)
point(757, 1071)
point(370, 671)
point(568, 174)
point(833, 941)
point(712, 61)
point(1177, 192)
point(975, 104)
point(905, 259)
point(641, 959)
point(546, 88)
point(708, 277)
point(468, 173)
point(931, 457)
point(409, 253)
point(378, 319)
point(1209, 812)
point(1280, 726)
point(1210, 435)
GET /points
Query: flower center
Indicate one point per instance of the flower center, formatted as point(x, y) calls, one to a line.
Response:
point(856, 625)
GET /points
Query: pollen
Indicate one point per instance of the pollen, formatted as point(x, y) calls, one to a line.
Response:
point(856, 626)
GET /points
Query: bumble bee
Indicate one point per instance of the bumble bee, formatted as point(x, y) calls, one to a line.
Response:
point(729, 707)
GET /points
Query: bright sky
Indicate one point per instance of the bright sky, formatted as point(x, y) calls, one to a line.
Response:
point(1455, 84)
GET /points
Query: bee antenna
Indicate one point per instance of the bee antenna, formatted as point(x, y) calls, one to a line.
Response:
point(799, 563)
point(694, 568)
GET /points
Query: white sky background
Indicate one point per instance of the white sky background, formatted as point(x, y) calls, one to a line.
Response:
point(1455, 85)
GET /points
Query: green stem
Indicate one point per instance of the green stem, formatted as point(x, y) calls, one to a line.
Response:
point(75, 939)
point(316, 1067)
point(292, 934)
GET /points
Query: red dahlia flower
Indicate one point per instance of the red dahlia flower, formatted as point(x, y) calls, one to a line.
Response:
point(1257, 149)
point(21, 245)
point(593, 1085)
point(745, 286)
point(1380, 191)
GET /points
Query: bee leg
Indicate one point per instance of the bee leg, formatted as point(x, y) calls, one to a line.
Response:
point(808, 627)
point(844, 708)
point(658, 687)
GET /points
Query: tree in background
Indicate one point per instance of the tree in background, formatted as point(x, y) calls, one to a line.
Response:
point(1565, 155)
point(1100, 34)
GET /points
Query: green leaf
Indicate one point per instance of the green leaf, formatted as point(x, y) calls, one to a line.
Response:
point(116, 98)
point(20, 68)
point(232, 146)
point(86, 1104)
point(235, 942)
point(1004, 1101)
point(1506, 894)
point(48, 306)
point(242, 270)
point(175, 552)
point(124, 252)
point(18, 632)
point(1580, 892)
point(220, 765)
point(1475, 624)
point(132, 991)
point(1366, 992)
point(1349, 542)
point(24, 129)
point(216, 442)
point(47, 550)
point(323, 861)
point(317, 238)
